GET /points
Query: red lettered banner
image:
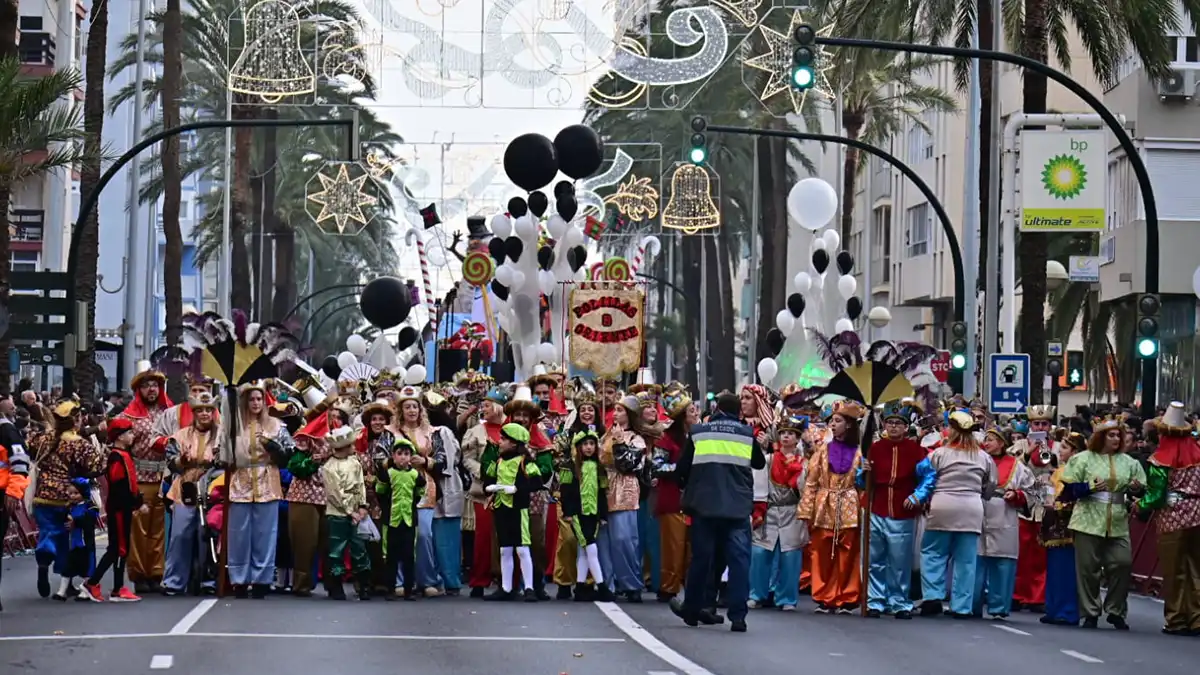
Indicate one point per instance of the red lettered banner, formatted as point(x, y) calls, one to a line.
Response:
point(605, 325)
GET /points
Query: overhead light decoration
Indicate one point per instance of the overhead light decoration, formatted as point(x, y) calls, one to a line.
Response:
point(745, 11)
point(779, 63)
point(636, 199)
point(271, 63)
point(691, 206)
point(339, 197)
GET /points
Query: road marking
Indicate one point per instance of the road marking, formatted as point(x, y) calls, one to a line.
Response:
point(836, 654)
point(315, 636)
point(161, 662)
point(193, 617)
point(1082, 657)
point(1010, 629)
point(661, 672)
point(640, 635)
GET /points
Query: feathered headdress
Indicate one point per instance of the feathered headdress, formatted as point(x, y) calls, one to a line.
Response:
point(885, 371)
point(233, 351)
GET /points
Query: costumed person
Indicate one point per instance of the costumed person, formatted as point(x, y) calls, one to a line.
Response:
point(999, 542)
point(1062, 600)
point(147, 545)
point(609, 391)
point(345, 507)
point(586, 418)
point(404, 486)
point(14, 467)
point(830, 508)
point(1042, 458)
point(649, 546)
point(306, 494)
point(475, 450)
point(899, 478)
point(1100, 478)
point(585, 507)
point(261, 447)
point(122, 501)
point(61, 455)
point(510, 480)
point(523, 410)
point(372, 448)
point(192, 452)
point(778, 536)
point(447, 474)
point(429, 459)
point(675, 551)
point(180, 416)
point(623, 453)
point(965, 477)
point(1173, 496)
point(82, 516)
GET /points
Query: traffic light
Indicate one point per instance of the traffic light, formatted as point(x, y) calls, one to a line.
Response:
point(1147, 326)
point(1054, 365)
point(699, 151)
point(1074, 369)
point(804, 58)
point(958, 345)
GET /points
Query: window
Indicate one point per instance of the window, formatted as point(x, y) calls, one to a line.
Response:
point(188, 262)
point(31, 24)
point(920, 145)
point(1185, 49)
point(24, 261)
point(927, 150)
point(79, 33)
point(185, 209)
point(881, 242)
point(916, 233)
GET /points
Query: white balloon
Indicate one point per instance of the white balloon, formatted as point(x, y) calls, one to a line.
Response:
point(786, 322)
point(503, 320)
point(843, 325)
point(556, 227)
point(435, 255)
point(415, 374)
point(767, 370)
point(501, 225)
point(346, 360)
point(547, 353)
point(573, 236)
point(504, 274)
point(531, 355)
point(802, 282)
point(847, 285)
point(812, 202)
point(546, 282)
point(832, 239)
point(818, 282)
point(356, 345)
point(525, 228)
point(818, 244)
point(518, 279)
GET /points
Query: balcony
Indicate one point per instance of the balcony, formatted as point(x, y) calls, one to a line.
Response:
point(36, 51)
point(25, 228)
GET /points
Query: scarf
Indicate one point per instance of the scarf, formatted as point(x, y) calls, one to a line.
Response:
point(137, 409)
point(764, 415)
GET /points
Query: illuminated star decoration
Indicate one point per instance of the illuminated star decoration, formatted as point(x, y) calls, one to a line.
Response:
point(342, 198)
point(777, 62)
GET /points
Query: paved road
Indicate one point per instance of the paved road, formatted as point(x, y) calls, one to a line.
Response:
point(453, 636)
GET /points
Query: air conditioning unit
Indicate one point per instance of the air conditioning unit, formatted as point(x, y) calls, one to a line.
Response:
point(1178, 85)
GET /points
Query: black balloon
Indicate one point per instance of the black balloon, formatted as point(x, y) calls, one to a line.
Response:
point(513, 247)
point(845, 262)
point(795, 304)
point(530, 162)
point(500, 290)
point(385, 302)
point(517, 207)
point(774, 342)
point(580, 151)
point(538, 203)
point(406, 338)
point(820, 260)
point(564, 187)
point(576, 257)
point(330, 367)
point(496, 248)
point(567, 207)
point(545, 257)
point(853, 308)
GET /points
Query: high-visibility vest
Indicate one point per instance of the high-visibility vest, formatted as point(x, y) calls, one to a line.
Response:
point(715, 446)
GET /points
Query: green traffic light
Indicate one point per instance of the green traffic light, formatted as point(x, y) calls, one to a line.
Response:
point(802, 77)
point(1147, 348)
point(958, 361)
point(698, 155)
point(711, 396)
point(1075, 377)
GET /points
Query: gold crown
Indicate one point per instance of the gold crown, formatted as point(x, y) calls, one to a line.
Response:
point(848, 408)
point(203, 400)
point(1108, 423)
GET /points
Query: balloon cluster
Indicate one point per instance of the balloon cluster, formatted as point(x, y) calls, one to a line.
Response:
point(357, 348)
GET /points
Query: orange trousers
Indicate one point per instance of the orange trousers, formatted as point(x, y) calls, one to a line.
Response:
point(806, 567)
point(676, 552)
point(836, 581)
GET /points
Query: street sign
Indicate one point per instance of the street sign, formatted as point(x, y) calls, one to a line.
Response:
point(1008, 375)
point(940, 365)
point(1084, 269)
point(1054, 349)
point(1063, 176)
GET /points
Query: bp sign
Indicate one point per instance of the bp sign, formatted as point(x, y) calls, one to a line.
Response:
point(1063, 181)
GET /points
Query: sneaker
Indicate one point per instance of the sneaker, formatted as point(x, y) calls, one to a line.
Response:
point(91, 593)
point(1091, 622)
point(752, 604)
point(530, 595)
point(43, 581)
point(399, 592)
point(845, 610)
point(123, 594)
point(904, 615)
point(677, 609)
point(433, 592)
point(787, 608)
point(821, 609)
point(710, 617)
point(871, 613)
point(1117, 622)
point(634, 597)
point(477, 592)
point(498, 595)
point(931, 608)
point(738, 627)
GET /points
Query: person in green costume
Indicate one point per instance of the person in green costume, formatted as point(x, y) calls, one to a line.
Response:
point(345, 508)
point(585, 507)
point(405, 487)
point(510, 480)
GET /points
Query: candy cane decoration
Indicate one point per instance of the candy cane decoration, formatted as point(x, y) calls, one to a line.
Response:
point(415, 234)
point(649, 244)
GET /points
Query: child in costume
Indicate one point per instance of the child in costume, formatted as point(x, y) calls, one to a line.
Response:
point(404, 487)
point(585, 507)
point(123, 500)
point(511, 480)
point(82, 515)
point(345, 508)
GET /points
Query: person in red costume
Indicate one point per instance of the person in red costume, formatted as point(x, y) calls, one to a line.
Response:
point(674, 552)
point(778, 538)
point(147, 545)
point(999, 542)
point(122, 501)
point(476, 440)
point(1029, 591)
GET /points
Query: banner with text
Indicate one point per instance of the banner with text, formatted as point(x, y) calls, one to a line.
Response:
point(606, 331)
point(1063, 181)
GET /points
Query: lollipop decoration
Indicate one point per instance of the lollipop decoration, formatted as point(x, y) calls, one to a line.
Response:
point(617, 269)
point(415, 235)
point(478, 269)
point(596, 273)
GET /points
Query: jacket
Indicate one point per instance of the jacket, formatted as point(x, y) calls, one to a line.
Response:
point(716, 469)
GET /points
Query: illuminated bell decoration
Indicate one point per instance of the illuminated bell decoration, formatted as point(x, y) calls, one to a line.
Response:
point(690, 207)
point(272, 65)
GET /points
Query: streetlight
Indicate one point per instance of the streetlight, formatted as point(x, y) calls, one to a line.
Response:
point(879, 316)
point(1056, 275)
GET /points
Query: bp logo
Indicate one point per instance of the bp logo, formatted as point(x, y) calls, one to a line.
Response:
point(1064, 177)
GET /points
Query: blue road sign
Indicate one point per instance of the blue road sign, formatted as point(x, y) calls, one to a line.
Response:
point(1008, 375)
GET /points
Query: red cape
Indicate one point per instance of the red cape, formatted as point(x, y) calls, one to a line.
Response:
point(1176, 452)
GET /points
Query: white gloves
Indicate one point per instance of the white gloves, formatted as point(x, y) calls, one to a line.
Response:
point(510, 489)
point(493, 488)
point(506, 489)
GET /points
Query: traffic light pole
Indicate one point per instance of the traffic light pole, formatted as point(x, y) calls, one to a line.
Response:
point(1149, 365)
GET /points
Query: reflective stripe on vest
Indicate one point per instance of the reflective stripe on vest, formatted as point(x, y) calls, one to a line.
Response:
point(721, 448)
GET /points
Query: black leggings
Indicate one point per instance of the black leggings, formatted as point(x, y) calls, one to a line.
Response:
point(113, 559)
point(401, 555)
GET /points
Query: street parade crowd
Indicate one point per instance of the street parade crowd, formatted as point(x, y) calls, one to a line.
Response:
point(501, 489)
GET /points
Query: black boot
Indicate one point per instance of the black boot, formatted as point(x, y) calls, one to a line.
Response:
point(334, 589)
point(498, 595)
point(43, 581)
point(364, 592)
point(532, 596)
point(539, 588)
point(584, 592)
point(241, 591)
point(260, 591)
point(477, 592)
point(564, 592)
point(604, 594)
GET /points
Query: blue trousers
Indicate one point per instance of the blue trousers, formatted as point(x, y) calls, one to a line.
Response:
point(618, 543)
point(427, 568)
point(253, 533)
point(447, 540)
point(1062, 599)
point(959, 549)
point(649, 551)
point(777, 571)
point(54, 539)
point(891, 561)
point(181, 546)
point(733, 536)
point(995, 579)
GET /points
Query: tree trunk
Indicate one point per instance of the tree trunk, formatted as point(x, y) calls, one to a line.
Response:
point(239, 263)
point(257, 253)
point(768, 231)
point(987, 214)
point(172, 270)
point(852, 123)
point(689, 272)
point(89, 235)
point(724, 347)
point(283, 237)
point(5, 199)
point(10, 21)
point(1031, 249)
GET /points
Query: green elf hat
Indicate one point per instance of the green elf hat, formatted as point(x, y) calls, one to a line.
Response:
point(515, 432)
point(404, 444)
point(583, 436)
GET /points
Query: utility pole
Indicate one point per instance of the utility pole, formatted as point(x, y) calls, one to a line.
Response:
point(133, 210)
point(992, 299)
point(971, 222)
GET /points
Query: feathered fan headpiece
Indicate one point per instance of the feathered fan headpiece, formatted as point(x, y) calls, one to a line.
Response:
point(232, 351)
point(886, 371)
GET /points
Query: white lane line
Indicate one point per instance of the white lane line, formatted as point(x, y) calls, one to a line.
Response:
point(1010, 629)
point(661, 672)
point(161, 661)
point(648, 642)
point(193, 617)
point(1082, 657)
point(312, 636)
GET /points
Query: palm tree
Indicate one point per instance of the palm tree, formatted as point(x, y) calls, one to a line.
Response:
point(39, 133)
point(10, 20)
point(171, 175)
